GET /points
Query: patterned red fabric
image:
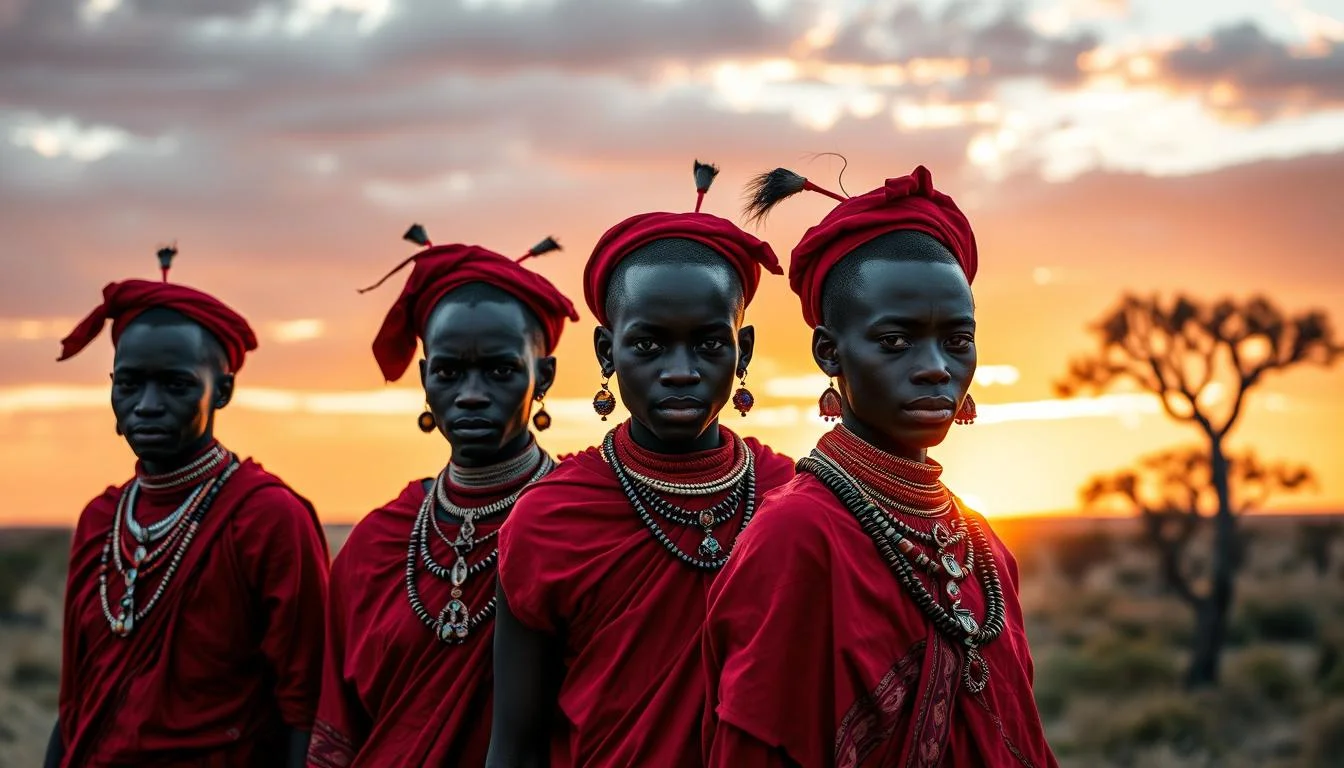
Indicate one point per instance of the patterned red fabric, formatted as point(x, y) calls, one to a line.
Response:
point(904, 203)
point(817, 657)
point(127, 300)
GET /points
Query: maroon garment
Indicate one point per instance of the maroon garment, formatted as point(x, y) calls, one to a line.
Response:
point(441, 269)
point(229, 655)
point(576, 562)
point(814, 652)
point(127, 300)
point(744, 252)
point(904, 203)
point(392, 693)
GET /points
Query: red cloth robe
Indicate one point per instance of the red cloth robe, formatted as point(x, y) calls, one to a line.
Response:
point(229, 655)
point(817, 657)
point(577, 562)
point(392, 693)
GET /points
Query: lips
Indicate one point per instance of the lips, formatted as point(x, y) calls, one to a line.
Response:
point(149, 435)
point(680, 409)
point(930, 410)
point(472, 427)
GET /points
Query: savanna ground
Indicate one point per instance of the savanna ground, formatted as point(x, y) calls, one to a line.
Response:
point(1109, 643)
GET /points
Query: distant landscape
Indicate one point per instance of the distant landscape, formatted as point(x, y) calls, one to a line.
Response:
point(1109, 645)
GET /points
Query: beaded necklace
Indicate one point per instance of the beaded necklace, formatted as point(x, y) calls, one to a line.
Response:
point(144, 562)
point(896, 542)
point(643, 495)
point(455, 622)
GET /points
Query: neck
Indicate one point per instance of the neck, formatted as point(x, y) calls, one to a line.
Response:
point(646, 439)
point(179, 460)
point(881, 441)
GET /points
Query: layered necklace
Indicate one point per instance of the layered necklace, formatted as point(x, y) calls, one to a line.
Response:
point(455, 622)
point(154, 542)
point(879, 489)
point(648, 495)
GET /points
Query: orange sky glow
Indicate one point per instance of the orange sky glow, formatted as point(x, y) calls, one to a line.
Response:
point(1097, 147)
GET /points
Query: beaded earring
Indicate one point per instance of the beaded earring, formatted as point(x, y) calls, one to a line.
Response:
point(541, 420)
point(966, 413)
point(829, 403)
point(604, 402)
point(426, 421)
point(743, 400)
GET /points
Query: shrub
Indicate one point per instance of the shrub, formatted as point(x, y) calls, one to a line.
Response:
point(1267, 676)
point(1076, 554)
point(1323, 737)
point(31, 674)
point(1176, 722)
point(1279, 621)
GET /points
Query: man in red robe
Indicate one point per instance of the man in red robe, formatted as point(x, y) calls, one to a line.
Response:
point(869, 618)
point(407, 676)
point(193, 608)
point(604, 566)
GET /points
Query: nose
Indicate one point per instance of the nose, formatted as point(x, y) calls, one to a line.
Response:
point(929, 367)
point(150, 403)
point(474, 394)
point(681, 370)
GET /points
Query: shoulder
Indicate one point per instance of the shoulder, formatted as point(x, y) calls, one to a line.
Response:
point(266, 502)
point(98, 512)
point(391, 521)
point(801, 516)
point(772, 468)
point(579, 472)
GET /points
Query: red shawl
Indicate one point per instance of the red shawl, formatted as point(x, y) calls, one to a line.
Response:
point(576, 561)
point(392, 694)
point(814, 651)
point(227, 656)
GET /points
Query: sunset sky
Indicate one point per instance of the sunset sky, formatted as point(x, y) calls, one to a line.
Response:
point(1098, 146)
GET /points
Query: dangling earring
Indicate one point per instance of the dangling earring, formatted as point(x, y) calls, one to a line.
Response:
point(743, 400)
point(426, 421)
point(541, 419)
point(604, 402)
point(966, 413)
point(829, 403)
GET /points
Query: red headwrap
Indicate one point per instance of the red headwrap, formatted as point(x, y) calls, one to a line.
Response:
point(442, 268)
point(904, 203)
point(743, 251)
point(125, 301)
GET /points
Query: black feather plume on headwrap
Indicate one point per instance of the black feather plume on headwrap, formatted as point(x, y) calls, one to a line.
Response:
point(704, 175)
point(545, 246)
point(766, 190)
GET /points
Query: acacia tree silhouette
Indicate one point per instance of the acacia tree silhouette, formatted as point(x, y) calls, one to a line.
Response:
point(1172, 492)
point(1202, 360)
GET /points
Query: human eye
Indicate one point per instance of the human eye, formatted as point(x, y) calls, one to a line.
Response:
point(961, 342)
point(646, 346)
point(894, 341)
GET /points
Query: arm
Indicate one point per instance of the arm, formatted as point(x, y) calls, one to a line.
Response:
point(342, 724)
point(526, 674)
point(739, 749)
point(286, 557)
point(55, 748)
point(298, 748)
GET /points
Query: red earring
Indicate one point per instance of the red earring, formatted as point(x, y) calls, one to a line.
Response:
point(743, 400)
point(829, 404)
point(966, 413)
point(604, 402)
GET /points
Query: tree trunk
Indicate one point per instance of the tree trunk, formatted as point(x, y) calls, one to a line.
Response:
point(1212, 612)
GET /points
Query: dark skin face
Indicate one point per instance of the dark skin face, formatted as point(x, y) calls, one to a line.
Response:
point(166, 386)
point(483, 367)
point(675, 345)
point(901, 346)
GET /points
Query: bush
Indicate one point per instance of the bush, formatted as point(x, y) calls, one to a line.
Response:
point(1076, 554)
point(31, 674)
point(1175, 722)
point(1277, 621)
point(1268, 677)
point(1323, 737)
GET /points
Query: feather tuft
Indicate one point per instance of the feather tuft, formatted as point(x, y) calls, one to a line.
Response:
point(766, 190)
point(416, 234)
point(166, 254)
point(545, 246)
point(704, 176)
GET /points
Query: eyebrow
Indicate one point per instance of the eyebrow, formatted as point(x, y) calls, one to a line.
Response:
point(647, 327)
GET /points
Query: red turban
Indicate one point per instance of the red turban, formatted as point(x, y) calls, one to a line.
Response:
point(905, 203)
point(744, 252)
point(442, 268)
point(125, 301)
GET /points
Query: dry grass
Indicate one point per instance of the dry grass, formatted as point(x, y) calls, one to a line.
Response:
point(1109, 643)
